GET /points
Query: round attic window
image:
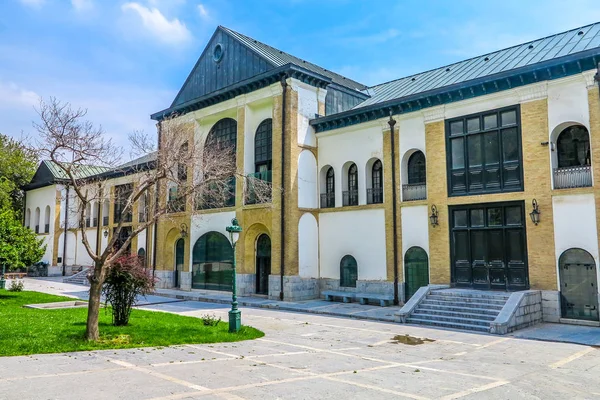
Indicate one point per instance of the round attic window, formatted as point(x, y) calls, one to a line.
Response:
point(218, 53)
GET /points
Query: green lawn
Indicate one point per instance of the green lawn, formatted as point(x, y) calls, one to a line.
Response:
point(32, 331)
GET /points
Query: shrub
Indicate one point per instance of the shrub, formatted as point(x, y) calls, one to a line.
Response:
point(210, 320)
point(16, 286)
point(125, 280)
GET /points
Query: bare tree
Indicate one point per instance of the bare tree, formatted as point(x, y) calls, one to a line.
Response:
point(181, 172)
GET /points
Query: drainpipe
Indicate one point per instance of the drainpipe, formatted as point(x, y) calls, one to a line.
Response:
point(597, 77)
point(154, 229)
point(24, 208)
point(98, 222)
point(283, 105)
point(391, 123)
point(64, 260)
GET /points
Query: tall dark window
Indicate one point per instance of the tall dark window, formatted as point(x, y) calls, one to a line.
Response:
point(223, 134)
point(348, 271)
point(351, 197)
point(263, 147)
point(328, 198)
point(375, 194)
point(573, 147)
point(416, 169)
point(122, 194)
point(484, 152)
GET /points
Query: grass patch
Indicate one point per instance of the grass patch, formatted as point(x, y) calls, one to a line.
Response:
point(32, 331)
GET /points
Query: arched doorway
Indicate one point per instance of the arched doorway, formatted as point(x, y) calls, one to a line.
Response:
point(348, 271)
point(263, 264)
point(416, 270)
point(212, 263)
point(142, 256)
point(578, 285)
point(179, 252)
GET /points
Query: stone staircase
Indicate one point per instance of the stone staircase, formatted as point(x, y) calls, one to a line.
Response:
point(79, 278)
point(471, 310)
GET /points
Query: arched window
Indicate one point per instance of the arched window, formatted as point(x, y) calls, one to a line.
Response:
point(416, 169)
point(37, 220)
point(416, 273)
point(328, 198)
point(223, 134)
point(47, 220)
point(88, 215)
point(212, 259)
point(352, 185)
point(105, 211)
point(263, 148)
point(348, 271)
point(142, 256)
point(28, 218)
point(573, 147)
point(377, 183)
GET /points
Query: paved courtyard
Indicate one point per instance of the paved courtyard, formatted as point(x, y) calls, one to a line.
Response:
point(307, 356)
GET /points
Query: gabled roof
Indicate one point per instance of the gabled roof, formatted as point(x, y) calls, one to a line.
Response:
point(512, 58)
point(552, 57)
point(82, 171)
point(279, 58)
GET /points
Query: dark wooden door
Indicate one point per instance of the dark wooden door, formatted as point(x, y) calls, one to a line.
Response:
point(578, 285)
point(488, 246)
point(263, 264)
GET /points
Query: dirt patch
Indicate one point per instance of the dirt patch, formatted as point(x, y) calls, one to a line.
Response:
point(410, 340)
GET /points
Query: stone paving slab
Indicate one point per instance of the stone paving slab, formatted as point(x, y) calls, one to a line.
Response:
point(588, 335)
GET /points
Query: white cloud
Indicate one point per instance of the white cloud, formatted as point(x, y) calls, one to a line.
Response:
point(82, 5)
point(33, 3)
point(15, 96)
point(202, 11)
point(168, 31)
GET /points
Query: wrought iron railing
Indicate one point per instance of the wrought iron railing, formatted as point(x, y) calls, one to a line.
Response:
point(104, 221)
point(95, 221)
point(176, 205)
point(414, 191)
point(253, 192)
point(327, 200)
point(573, 177)
point(350, 198)
point(375, 196)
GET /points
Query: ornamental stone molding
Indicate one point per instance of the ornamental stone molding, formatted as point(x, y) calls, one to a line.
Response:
point(434, 114)
point(590, 78)
point(533, 92)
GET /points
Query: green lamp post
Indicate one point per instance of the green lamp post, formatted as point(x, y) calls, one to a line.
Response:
point(235, 315)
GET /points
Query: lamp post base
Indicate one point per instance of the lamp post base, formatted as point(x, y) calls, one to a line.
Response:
point(235, 321)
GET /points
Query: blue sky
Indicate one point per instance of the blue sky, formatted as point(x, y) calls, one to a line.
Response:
point(123, 60)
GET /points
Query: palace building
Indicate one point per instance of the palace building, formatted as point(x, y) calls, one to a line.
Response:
point(483, 174)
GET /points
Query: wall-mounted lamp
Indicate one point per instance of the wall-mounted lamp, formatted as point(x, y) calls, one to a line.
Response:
point(535, 213)
point(183, 230)
point(433, 218)
point(105, 233)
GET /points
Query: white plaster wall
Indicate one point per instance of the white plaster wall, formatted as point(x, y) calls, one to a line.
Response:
point(308, 106)
point(141, 241)
point(42, 197)
point(254, 115)
point(568, 102)
point(415, 228)
point(358, 233)
point(357, 145)
point(204, 223)
point(307, 180)
point(575, 225)
point(412, 138)
point(308, 246)
point(82, 256)
point(71, 248)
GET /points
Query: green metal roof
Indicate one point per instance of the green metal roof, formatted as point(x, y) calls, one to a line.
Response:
point(81, 171)
point(512, 58)
point(280, 58)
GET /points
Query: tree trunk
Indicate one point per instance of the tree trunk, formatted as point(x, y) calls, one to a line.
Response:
point(92, 332)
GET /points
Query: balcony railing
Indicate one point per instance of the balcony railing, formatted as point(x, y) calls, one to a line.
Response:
point(46, 228)
point(212, 199)
point(176, 205)
point(414, 191)
point(350, 198)
point(104, 221)
point(573, 177)
point(375, 196)
point(254, 190)
point(327, 200)
point(95, 221)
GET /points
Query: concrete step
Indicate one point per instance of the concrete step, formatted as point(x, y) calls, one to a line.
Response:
point(79, 278)
point(457, 314)
point(467, 299)
point(449, 318)
point(453, 325)
point(460, 309)
point(472, 294)
point(456, 303)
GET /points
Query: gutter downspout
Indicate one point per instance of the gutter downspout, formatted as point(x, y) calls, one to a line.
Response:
point(24, 210)
point(597, 77)
point(283, 106)
point(64, 260)
point(154, 229)
point(99, 222)
point(391, 123)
